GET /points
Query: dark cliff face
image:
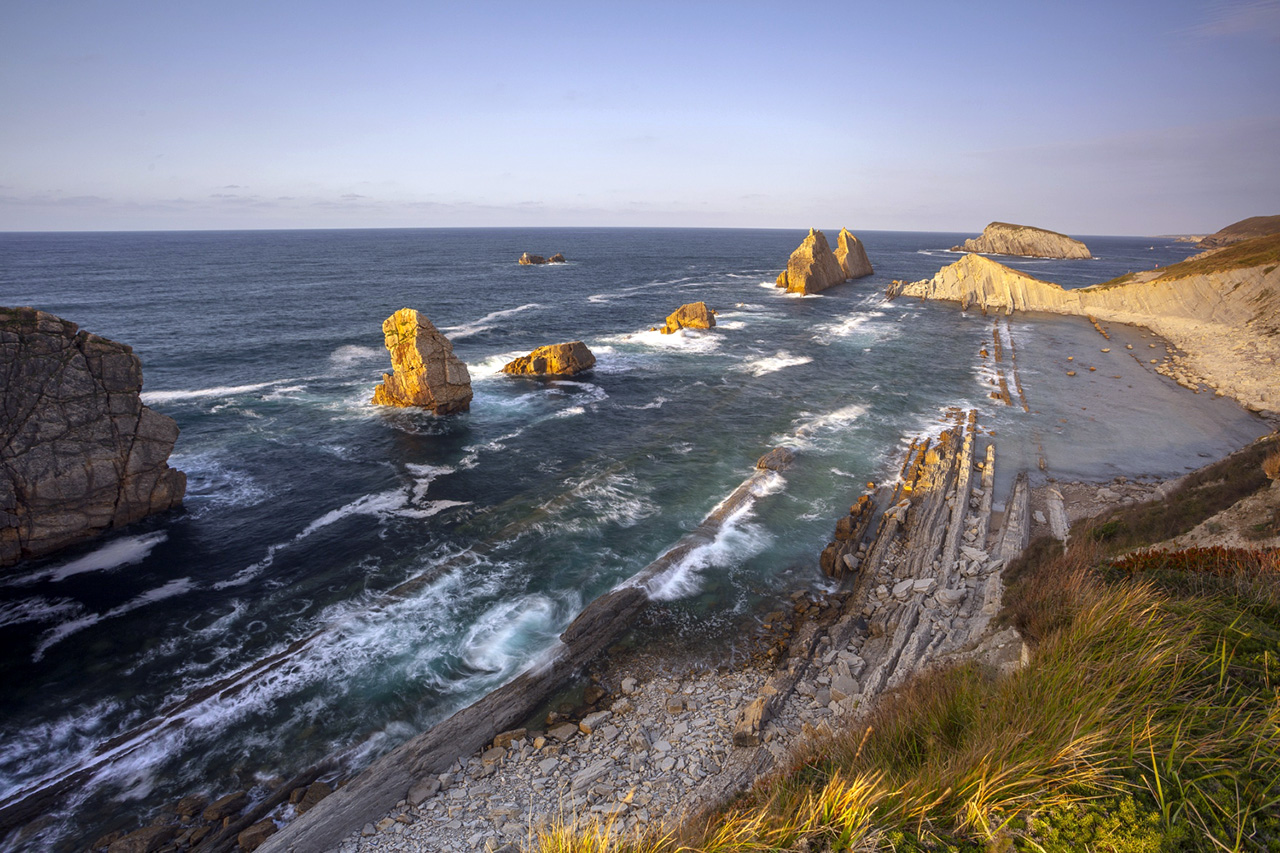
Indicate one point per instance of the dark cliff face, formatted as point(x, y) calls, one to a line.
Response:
point(79, 452)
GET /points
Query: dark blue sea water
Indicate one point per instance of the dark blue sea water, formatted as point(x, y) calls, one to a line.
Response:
point(407, 564)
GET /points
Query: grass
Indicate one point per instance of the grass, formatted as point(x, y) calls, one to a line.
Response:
point(1149, 720)
point(1258, 252)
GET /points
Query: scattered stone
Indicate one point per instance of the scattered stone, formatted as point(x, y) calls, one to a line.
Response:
point(149, 839)
point(252, 838)
point(226, 806)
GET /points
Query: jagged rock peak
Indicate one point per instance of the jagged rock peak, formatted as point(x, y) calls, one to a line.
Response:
point(426, 373)
point(852, 256)
point(79, 452)
point(529, 260)
point(555, 359)
point(812, 266)
point(694, 315)
point(1003, 238)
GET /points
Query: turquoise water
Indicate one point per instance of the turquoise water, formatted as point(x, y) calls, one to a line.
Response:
point(400, 565)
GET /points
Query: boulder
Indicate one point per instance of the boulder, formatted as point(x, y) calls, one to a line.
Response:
point(149, 839)
point(252, 838)
point(1003, 238)
point(555, 359)
point(79, 452)
point(812, 266)
point(426, 373)
point(852, 256)
point(694, 315)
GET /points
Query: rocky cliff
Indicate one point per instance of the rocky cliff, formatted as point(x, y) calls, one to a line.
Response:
point(554, 360)
point(1245, 229)
point(80, 453)
point(1002, 238)
point(694, 315)
point(812, 266)
point(426, 373)
point(851, 255)
point(1227, 318)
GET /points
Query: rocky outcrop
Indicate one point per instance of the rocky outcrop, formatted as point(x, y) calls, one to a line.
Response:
point(694, 315)
point(80, 453)
point(531, 260)
point(555, 359)
point(1227, 320)
point(812, 266)
point(1245, 229)
point(426, 373)
point(1002, 238)
point(851, 255)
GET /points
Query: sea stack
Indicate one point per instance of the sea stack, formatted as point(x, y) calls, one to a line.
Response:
point(812, 267)
point(533, 260)
point(851, 255)
point(553, 360)
point(80, 453)
point(425, 372)
point(1002, 238)
point(694, 315)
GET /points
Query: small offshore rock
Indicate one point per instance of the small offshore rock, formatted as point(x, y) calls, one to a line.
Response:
point(694, 315)
point(565, 359)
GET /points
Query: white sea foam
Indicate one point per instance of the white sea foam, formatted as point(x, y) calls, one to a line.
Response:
point(629, 292)
point(153, 397)
point(773, 363)
point(491, 367)
point(284, 392)
point(736, 540)
point(497, 639)
point(845, 327)
point(349, 354)
point(810, 428)
point(487, 322)
point(684, 340)
point(37, 609)
point(63, 630)
point(423, 476)
point(124, 551)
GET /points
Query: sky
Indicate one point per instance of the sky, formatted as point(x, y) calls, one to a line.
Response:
point(1088, 117)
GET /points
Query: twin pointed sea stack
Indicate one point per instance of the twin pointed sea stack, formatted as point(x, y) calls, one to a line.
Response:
point(814, 267)
point(426, 373)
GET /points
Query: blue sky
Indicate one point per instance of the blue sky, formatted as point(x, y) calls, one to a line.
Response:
point(1089, 118)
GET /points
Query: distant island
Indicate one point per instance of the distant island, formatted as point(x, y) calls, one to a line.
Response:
point(1004, 238)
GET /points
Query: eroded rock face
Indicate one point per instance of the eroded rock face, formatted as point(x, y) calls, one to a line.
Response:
point(694, 315)
point(426, 373)
point(852, 256)
point(555, 359)
point(812, 267)
point(1003, 238)
point(80, 452)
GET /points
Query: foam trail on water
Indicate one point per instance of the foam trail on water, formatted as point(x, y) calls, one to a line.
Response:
point(772, 364)
point(345, 356)
point(487, 322)
point(60, 632)
point(125, 551)
point(733, 543)
point(153, 397)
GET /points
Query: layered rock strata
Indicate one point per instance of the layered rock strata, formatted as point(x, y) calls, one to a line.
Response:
point(812, 267)
point(661, 748)
point(1003, 238)
point(554, 359)
point(426, 373)
point(852, 255)
point(532, 260)
point(1227, 321)
point(80, 452)
point(694, 315)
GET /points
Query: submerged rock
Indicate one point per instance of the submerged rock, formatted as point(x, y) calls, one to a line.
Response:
point(852, 256)
point(1002, 238)
point(426, 373)
point(554, 359)
point(694, 315)
point(532, 260)
point(80, 453)
point(812, 266)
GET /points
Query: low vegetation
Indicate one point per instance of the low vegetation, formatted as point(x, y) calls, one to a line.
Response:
point(1258, 252)
point(1148, 720)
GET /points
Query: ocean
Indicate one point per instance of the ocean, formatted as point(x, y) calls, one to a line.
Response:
point(343, 576)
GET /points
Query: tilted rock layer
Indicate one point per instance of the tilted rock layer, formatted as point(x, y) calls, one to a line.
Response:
point(81, 454)
point(555, 359)
point(694, 315)
point(1228, 321)
point(812, 266)
point(851, 255)
point(426, 372)
point(1001, 238)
